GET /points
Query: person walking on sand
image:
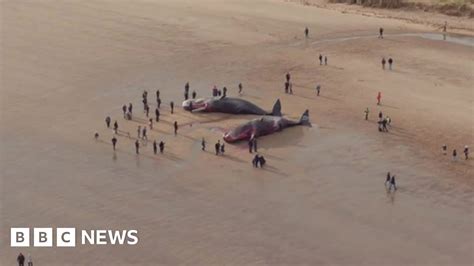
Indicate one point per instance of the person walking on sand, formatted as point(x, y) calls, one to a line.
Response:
point(380, 115)
point(29, 260)
point(320, 59)
point(114, 142)
point(150, 123)
point(250, 143)
point(444, 149)
point(203, 144)
point(287, 87)
point(392, 184)
point(390, 62)
point(218, 147)
point(194, 94)
point(381, 33)
point(455, 154)
point(262, 161)
point(291, 88)
point(147, 110)
point(383, 63)
point(107, 121)
point(224, 92)
point(137, 147)
point(366, 113)
point(175, 127)
point(306, 32)
point(124, 110)
point(130, 108)
point(240, 88)
point(144, 136)
point(384, 125)
point(222, 148)
point(162, 146)
point(20, 259)
point(318, 89)
point(288, 77)
point(387, 180)
point(172, 107)
point(158, 102)
point(96, 135)
point(466, 152)
point(255, 161)
point(157, 115)
point(254, 142)
point(155, 147)
point(116, 127)
point(325, 60)
point(139, 131)
point(157, 94)
point(379, 98)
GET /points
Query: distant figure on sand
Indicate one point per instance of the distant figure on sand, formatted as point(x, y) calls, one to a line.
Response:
point(366, 113)
point(306, 32)
point(320, 59)
point(203, 144)
point(381, 33)
point(139, 131)
point(318, 89)
point(137, 147)
point(172, 107)
point(387, 180)
point(107, 121)
point(96, 135)
point(218, 147)
point(20, 259)
point(155, 147)
point(254, 142)
point(194, 94)
point(288, 77)
point(124, 110)
point(325, 60)
point(162, 146)
point(291, 88)
point(116, 127)
point(383, 63)
point(144, 136)
point(29, 260)
point(379, 97)
point(250, 143)
point(240, 88)
point(222, 148)
point(287, 87)
point(175, 127)
point(224, 92)
point(444, 149)
point(130, 108)
point(255, 161)
point(157, 115)
point(466, 152)
point(147, 110)
point(158, 102)
point(392, 184)
point(114, 142)
point(455, 154)
point(390, 62)
point(150, 123)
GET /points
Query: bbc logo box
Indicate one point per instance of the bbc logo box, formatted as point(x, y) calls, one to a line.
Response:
point(42, 237)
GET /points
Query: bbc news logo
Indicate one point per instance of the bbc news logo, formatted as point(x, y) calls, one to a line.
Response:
point(66, 237)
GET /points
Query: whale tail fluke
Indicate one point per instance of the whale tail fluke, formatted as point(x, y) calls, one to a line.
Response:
point(276, 111)
point(304, 120)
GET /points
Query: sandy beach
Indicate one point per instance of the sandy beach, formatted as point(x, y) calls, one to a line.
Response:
point(320, 200)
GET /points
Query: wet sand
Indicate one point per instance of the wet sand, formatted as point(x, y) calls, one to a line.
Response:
point(321, 199)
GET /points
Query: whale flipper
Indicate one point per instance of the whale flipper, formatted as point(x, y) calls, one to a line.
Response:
point(276, 111)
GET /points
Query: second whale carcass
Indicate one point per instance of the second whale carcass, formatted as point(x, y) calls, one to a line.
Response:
point(263, 126)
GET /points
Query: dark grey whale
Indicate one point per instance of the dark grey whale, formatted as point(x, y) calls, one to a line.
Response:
point(263, 126)
point(228, 105)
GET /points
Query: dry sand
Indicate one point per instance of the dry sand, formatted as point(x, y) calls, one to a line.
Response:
point(321, 200)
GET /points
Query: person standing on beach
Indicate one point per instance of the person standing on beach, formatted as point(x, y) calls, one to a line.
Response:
point(380, 115)
point(383, 63)
point(240, 88)
point(162, 146)
point(194, 94)
point(172, 107)
point(306, 32)
point(455, 154)
point(392, 184)
point(390, 62)
point(137, 147)
point(384, 125)
point(320, 59)
point(381, 33)
point(124, 110)
point(29, 260)
point(114, 142)
point(130, 108)
point(218, 147)
point(107, 121)
point(139, 131)
point(155, 147)
point(325, 60)
point(366, 113)
point(203, 144)
point(291, 88)
point(116, 127)
point(379, 98)
point(175, 127)
point(387, 180)
point(466, 152)
point(318, 89)
point(288, 77)
point(222, 148)
point(144, 136)
point(147, 109)
point(287, 87)
point(254, 142)
point(157, 115)
point(444, 149)
point(20, 259)
point(157, 94)
point(158, 102)
point(250, 143)
point(186, 91)
point(224, 92)
point(150, 123)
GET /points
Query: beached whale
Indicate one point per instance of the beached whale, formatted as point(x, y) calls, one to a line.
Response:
point(263, 126)
point(229, 105)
